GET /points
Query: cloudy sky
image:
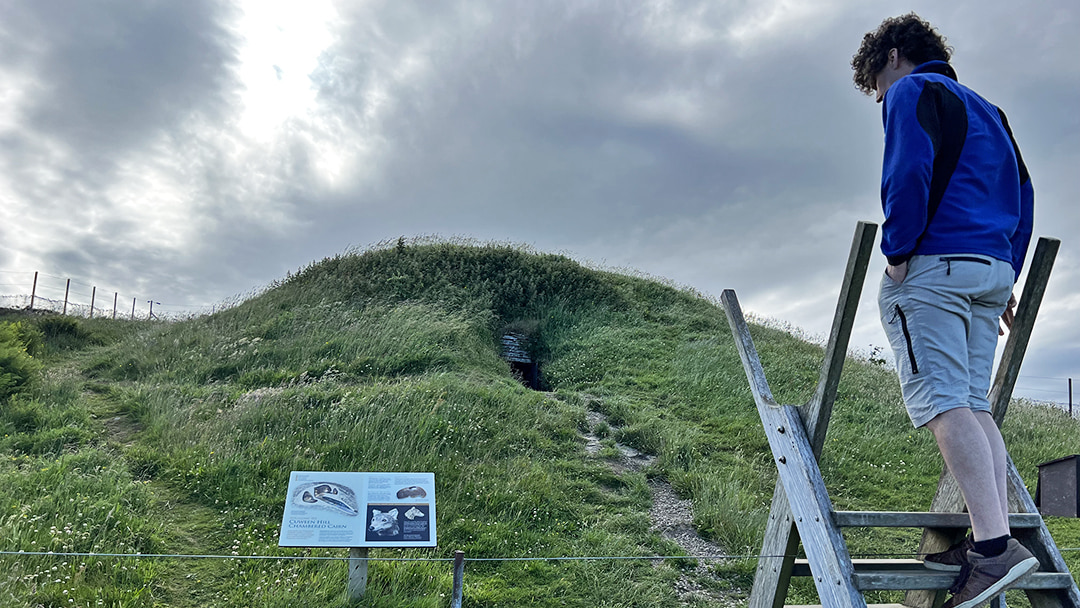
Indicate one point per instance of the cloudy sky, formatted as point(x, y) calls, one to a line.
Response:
point(189, 151)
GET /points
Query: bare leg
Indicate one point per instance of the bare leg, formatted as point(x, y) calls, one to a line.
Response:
point(1001, 458)
point(969, 454)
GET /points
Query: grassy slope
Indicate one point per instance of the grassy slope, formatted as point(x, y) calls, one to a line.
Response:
point(179, 438)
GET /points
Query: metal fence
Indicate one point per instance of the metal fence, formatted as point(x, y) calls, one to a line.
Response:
point(73, 297)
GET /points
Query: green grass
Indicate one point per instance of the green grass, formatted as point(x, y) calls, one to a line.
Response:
point(178, 438)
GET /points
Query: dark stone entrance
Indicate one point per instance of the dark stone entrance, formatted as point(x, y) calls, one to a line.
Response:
point(515, 351)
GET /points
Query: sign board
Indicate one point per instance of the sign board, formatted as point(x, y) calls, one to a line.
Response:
point(326, 509)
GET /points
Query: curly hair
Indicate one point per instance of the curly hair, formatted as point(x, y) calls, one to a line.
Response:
point(915, 39)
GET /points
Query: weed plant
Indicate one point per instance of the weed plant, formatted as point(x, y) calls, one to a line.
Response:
point(178, 438)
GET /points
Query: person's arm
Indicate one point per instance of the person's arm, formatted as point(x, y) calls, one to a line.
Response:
point(907, 171)
point(1022, 237)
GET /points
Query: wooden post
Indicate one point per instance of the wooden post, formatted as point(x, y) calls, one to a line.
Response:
point(33, 291)
point(1070, 397)
point(115, 295)
point(93, 294)
point(133, 309)
point(459, 579)
point(773, 574)
point(66, 291)
point(798, 469)
point(1042, 262)
point(358, 570)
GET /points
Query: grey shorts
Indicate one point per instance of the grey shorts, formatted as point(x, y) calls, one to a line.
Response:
point(942, 324)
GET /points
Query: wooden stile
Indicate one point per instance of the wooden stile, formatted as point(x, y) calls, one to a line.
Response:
point(801, 508)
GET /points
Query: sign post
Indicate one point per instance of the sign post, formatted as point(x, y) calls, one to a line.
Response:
point(358, 511)
point(357, 572)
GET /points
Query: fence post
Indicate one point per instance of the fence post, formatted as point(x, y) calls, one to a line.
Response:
point(66, 290)
point(459, 575)
point(358, 565)
point(115, 295)
point(133, 308)
point(1070, 397)
point(33, 291)
point(93, 294)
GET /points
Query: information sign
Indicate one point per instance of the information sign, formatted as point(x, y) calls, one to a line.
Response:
point(359, 510)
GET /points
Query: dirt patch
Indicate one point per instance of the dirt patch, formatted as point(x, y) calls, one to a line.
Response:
point(122, 429)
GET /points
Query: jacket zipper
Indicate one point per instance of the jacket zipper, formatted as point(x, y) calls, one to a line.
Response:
point(907, 338)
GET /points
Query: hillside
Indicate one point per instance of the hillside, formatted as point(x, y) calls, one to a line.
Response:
point(178, 438)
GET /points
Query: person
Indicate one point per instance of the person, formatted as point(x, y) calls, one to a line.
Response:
point(958, 206)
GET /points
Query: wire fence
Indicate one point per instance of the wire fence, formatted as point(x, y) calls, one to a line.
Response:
point(450, 559)
point(72, 297)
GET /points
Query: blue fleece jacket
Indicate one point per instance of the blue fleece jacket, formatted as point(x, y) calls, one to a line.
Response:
point(953, 179)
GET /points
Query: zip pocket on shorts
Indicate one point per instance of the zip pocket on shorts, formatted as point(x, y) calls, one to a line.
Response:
point(949, 259)
point(907, 339)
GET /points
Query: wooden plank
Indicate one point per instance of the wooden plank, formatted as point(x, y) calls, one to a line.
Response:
point(947, 498)
point(801, 567)
point(1042, 545)
point(773, 574)
point(811, 508)
point(1026, 311)
point(755, 374)
point(818, 410)
point(903, 519)
point(781, 542)
point(881, 581)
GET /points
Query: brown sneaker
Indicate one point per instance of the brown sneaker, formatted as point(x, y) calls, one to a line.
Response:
point(951, 559)
point(991, 575)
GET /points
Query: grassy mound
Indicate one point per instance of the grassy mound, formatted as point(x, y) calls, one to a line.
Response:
point(179, 438)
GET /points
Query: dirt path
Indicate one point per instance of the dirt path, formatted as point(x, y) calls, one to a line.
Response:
point(669, 515)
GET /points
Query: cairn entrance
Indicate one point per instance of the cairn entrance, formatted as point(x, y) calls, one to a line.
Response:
point(516, 352)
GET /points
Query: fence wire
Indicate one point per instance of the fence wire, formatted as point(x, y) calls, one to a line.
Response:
point(567, 558)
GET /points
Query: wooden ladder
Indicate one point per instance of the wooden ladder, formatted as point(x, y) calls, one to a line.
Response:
point(801, 508)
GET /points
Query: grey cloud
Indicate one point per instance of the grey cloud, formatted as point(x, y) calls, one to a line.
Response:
point(531, 108)
point(108, 79)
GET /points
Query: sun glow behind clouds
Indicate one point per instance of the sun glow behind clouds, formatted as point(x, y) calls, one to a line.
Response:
point(281, 48)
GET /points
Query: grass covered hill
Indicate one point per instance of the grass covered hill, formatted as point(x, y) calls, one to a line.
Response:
point(178, 438)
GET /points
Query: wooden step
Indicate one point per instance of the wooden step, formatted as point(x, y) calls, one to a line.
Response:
point(909, 574)
point(931, 579)
point(918, 519)
point(802, 566)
